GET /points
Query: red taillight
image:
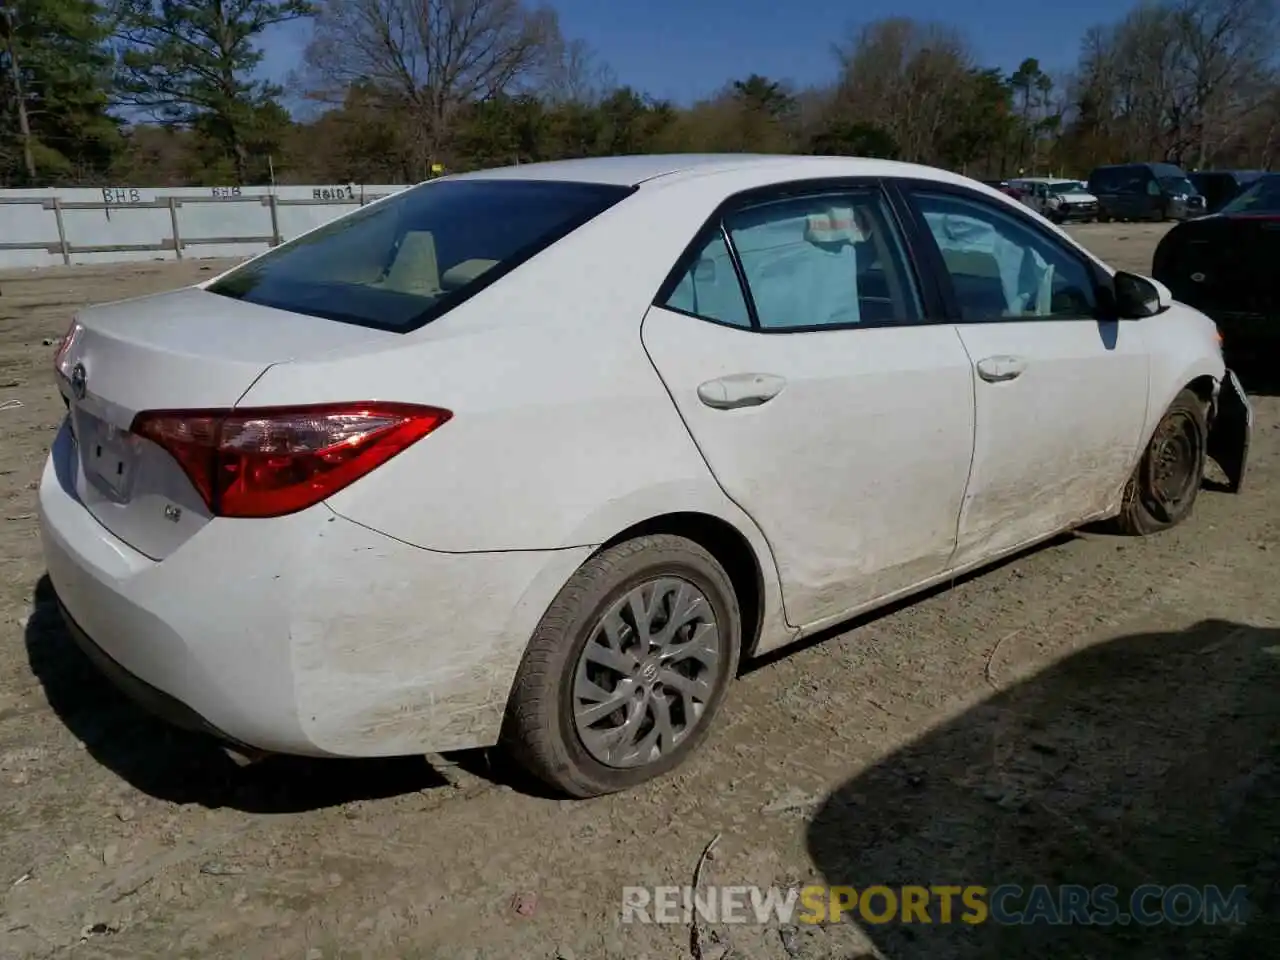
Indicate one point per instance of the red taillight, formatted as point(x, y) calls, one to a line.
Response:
point(272, 461)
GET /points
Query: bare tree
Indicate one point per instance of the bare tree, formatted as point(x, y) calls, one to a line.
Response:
point(9, 31)
point(903, 77)
point(1180, 79)
point(432, 57)
point(575, 74)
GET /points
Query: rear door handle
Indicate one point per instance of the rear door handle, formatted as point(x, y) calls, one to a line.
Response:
point(740, 390)
point(1001, 368)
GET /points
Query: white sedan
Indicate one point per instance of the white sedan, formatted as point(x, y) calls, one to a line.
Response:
point(534, 456)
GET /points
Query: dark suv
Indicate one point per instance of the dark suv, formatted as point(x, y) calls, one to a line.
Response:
point(1145, 191)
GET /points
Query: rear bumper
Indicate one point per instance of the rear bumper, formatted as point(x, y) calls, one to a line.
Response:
point(305, 634)
point(151, 699)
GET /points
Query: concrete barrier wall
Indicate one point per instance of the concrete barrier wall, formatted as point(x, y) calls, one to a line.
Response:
point(114, 224)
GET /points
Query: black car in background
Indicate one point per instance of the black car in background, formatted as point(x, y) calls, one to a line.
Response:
point(1227, 265)
point(1144, 191)
point(1220, 186)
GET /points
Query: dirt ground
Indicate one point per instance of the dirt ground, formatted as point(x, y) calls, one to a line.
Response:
point(1100, 710)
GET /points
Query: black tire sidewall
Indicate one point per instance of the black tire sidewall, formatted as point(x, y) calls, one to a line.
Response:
point(1186, 403)
point(572, 767)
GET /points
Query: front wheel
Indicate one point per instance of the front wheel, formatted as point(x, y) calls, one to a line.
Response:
point(626, 669)
point(1164, 485)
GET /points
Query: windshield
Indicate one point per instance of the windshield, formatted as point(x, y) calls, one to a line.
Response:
point(1068, 186)
point(1178, 185)
point(1262, 197)
point(401, 262)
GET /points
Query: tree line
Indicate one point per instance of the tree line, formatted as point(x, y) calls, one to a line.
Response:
point(167, 92)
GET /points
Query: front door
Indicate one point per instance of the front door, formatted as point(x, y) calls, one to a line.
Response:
point(1060, 392)
point(824, 405)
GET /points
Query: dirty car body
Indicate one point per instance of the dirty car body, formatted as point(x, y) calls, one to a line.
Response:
point(320, 504)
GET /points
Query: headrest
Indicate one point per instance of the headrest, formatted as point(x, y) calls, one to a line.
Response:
point(836, 225)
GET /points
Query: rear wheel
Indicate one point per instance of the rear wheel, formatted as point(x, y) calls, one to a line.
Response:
point(626, 669)
point(1164, 485)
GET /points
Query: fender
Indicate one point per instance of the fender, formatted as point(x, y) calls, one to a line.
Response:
point(695, 496)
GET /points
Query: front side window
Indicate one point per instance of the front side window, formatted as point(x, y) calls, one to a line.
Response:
point(1001, 268)
point(823, 261)
point(401, 262)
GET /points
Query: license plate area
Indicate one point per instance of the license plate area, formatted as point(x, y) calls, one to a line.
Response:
point(108, 455)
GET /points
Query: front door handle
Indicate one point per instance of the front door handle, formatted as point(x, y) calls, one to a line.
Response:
point(999, 369)
point(740, 390)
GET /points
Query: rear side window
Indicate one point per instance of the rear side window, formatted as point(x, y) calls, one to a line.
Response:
point(404, 261)
point(709, 288)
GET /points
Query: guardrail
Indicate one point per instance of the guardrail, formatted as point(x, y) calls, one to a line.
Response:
point(72, 238)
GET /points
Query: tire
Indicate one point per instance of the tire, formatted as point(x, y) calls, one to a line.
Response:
point(1147, 506)
point(540, 730)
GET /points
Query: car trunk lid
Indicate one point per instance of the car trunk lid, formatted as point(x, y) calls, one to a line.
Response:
point(183, 350)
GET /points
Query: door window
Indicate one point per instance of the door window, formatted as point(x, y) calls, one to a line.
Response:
point(709, 288)
point(823, 261)
point(1002, 268)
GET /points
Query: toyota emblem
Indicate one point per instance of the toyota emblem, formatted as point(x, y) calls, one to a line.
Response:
point(79, 381)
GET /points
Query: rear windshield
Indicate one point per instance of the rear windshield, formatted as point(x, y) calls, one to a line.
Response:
point(401, 262)
point(1262, 197)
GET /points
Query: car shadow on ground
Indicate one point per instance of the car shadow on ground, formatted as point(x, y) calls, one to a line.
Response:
point(172, 764)
point(1152, 758)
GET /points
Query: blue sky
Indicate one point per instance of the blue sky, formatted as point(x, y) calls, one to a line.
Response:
point(685, 49)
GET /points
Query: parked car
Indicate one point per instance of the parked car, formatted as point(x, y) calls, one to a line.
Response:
point(1225, 265)
point(1004, 186)
point(1220, 186)
point(1058, 199)
point(534, 456)
point(1144, 191)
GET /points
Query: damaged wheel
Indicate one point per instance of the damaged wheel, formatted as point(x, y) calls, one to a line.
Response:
point(1166, 481)
point(626, 669)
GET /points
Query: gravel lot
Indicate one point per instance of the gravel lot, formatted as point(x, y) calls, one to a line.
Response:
point(1099, 710)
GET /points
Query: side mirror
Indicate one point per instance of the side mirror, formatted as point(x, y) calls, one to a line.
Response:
point(1138, 297)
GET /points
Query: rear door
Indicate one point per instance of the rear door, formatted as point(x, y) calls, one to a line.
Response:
point(792, 338)
point(1060, 390)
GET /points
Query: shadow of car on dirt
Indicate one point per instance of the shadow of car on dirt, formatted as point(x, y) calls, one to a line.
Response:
point(1152, 758)
point(172, 764)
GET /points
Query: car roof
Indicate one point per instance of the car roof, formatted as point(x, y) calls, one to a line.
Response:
point(1238, 174)
point(631, 171)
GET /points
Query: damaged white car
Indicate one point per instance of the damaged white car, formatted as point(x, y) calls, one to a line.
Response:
point(536, 456)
